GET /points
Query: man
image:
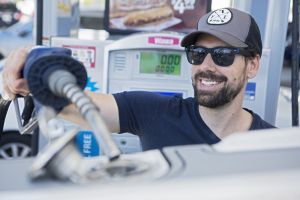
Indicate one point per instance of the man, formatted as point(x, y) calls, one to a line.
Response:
point(224, 52)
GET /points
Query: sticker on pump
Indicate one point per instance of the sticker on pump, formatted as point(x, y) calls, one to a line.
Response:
point(160, 40)
point(250, 91)
point(84, 54)
point(87, 144)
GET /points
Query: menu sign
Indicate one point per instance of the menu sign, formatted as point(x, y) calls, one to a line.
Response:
point(154, 15)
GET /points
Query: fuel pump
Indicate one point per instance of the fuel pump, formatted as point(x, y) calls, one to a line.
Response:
point(56, 79)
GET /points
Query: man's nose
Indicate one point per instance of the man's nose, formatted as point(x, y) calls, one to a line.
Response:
point(208, 64)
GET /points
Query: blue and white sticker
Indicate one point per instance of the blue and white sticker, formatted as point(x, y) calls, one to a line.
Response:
point(250, 91)
point(87, 144)
point(92, 85)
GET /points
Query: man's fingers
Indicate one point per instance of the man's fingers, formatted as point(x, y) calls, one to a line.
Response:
point(7, 94)
point(19, 87)
point(13, 83)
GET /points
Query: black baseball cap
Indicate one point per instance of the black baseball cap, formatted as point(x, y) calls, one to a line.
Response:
point(235, 27)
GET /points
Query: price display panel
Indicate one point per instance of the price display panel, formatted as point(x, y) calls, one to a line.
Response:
point(160, 63)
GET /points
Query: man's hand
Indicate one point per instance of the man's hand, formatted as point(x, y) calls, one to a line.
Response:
point(13, 83)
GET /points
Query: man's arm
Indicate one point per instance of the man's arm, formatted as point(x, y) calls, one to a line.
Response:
point(14, 84)
point(108, 110)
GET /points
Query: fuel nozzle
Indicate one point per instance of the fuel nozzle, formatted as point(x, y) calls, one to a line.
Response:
point(56, 79)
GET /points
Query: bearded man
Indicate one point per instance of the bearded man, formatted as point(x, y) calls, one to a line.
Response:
point(224, 51)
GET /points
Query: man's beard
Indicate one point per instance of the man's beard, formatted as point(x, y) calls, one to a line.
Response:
point(221, 97)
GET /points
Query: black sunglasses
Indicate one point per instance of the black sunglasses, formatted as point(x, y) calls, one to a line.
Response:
point(222, 56)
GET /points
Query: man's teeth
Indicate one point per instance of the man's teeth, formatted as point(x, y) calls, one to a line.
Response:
point(208, 82)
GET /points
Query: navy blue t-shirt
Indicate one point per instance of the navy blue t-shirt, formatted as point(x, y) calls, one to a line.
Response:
point(162, 121)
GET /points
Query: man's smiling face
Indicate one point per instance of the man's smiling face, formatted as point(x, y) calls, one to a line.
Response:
point(215, 85)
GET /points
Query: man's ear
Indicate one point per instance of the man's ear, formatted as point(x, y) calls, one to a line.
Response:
point(253, 66)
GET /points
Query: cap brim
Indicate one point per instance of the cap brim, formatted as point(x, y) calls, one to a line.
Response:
point(225, 37)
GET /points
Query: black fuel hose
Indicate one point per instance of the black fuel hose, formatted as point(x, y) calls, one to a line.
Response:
point(295, 64)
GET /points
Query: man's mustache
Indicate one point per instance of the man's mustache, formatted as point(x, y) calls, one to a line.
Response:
point(210, 75)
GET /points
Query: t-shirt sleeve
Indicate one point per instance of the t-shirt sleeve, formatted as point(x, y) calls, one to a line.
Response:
point(137, 109)
point(259, 123)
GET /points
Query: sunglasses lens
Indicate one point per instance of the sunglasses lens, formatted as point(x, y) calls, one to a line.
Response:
point(223, 56)
point(196, 55)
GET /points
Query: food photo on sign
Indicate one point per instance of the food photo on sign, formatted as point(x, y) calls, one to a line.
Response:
point(154, 15)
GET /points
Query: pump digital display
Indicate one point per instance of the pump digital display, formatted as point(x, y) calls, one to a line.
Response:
point(160, 63)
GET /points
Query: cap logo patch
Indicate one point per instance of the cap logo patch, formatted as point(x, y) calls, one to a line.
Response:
point(220, 16)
